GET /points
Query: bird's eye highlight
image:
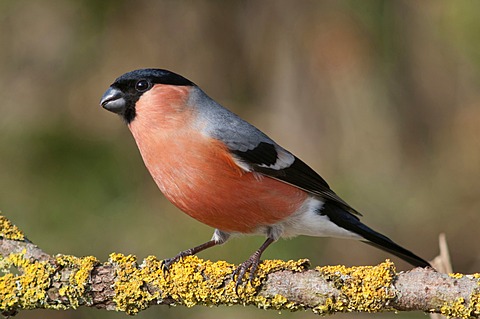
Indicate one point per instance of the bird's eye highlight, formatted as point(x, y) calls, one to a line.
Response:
point(142, 86)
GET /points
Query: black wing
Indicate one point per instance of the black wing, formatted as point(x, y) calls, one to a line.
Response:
point(273, 161)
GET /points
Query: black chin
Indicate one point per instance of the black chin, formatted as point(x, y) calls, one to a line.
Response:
point(128, 115)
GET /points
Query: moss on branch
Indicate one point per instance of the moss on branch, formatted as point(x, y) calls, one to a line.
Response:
point(190, 282)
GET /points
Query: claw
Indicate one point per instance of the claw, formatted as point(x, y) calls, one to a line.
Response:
point(168, 262)
point(192, 251)
point(250, 264)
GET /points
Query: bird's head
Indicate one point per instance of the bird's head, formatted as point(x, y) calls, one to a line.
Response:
point(123, 96)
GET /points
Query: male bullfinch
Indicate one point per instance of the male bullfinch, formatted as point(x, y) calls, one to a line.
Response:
point(226, 173)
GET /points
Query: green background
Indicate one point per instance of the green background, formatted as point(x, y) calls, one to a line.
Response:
point(381, 97)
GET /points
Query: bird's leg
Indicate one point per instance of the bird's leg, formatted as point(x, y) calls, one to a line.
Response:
point(219, 237)
point(251, 263)
point(192, 251)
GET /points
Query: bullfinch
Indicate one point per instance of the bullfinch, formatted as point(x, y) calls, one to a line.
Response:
point(226, 173)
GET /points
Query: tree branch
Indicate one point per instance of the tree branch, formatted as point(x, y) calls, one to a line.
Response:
point(33, 279)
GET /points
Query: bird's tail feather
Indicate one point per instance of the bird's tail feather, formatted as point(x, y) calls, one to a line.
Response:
point(350, 222)
point(399, 251)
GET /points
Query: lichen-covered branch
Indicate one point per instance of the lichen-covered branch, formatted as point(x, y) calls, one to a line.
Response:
point(33, 279)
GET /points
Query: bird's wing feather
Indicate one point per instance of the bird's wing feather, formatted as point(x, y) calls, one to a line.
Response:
point(271, 160)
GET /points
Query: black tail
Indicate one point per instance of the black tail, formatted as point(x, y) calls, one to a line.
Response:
point(352, 223)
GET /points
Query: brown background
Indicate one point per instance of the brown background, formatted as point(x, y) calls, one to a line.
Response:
point(381, 97)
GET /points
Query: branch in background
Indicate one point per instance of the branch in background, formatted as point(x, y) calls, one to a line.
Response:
point(442, 263)
point(33, 279)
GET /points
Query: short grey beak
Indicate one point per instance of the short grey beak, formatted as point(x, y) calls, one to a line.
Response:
point(113, 100)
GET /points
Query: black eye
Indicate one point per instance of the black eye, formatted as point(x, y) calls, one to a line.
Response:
point(142, 85)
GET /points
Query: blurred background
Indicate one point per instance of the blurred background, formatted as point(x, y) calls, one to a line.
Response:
point(380, 97)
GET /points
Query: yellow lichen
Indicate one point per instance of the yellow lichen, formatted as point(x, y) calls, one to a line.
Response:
point(366, 288)
point(27, 290)
point(279, 301)
point(330, 306)
point(9, 230)
point(459, 308)
point(190, 281)
point(30, 287)
point(81, 267)
point(129, 295)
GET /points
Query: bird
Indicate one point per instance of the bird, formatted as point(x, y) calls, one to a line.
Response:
point(228, 174)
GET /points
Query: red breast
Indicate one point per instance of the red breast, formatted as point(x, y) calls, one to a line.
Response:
point(198, 174)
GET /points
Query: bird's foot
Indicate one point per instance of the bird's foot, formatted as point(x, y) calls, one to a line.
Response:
point(251, 264)
point(189, 252)
point(170, 261)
